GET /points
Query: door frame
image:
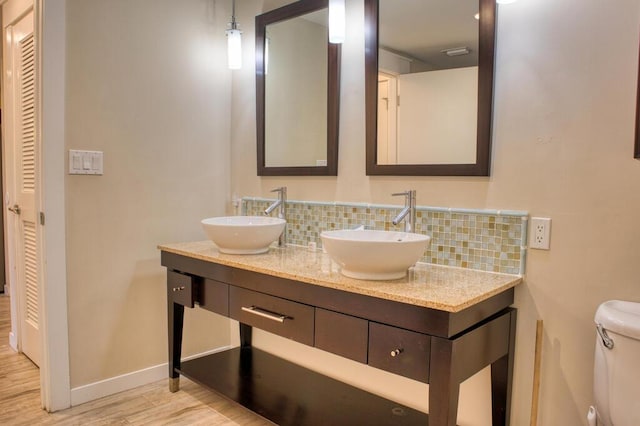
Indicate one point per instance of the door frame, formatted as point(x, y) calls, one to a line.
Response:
point(50, 35)
point(51, 32)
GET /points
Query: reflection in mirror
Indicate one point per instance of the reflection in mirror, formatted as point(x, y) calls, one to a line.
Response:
point(297, 91)
point(435, 72)
point(429, 71)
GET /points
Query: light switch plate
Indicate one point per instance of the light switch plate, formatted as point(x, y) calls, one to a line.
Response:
point(85, 162)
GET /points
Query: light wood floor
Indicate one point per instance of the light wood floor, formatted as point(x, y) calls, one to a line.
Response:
point(147, 405)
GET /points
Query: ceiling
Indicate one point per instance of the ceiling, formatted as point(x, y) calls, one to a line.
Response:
point(421, 29)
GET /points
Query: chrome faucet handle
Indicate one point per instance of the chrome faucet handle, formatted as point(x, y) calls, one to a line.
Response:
point(282, 195)
point(409, 194)
point(280, 205)
point(408, 213)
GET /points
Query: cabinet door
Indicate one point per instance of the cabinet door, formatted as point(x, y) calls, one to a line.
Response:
point(399, 351)
point(180, 288)
point(279, 316)
point(342, 335)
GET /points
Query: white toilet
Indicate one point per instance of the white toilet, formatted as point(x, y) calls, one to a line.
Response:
point(617, 365)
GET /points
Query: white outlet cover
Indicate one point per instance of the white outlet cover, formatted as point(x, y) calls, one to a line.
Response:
point(540, 233)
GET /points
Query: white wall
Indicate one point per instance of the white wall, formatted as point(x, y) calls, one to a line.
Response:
point(147, 84)
point(563, 130)
point(438, 116)
point(393, 63)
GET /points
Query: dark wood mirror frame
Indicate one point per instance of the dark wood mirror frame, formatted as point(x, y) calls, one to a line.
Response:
point(636, 152)
point(485, 101)
point(293, 10)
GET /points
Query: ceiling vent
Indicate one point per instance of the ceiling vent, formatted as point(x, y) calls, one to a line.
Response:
point(456, 51)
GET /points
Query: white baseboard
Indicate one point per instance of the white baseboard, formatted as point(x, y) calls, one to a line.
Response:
point(13, 341)
point(113, 385)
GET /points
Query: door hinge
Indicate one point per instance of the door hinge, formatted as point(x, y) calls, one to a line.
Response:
point(42, 218)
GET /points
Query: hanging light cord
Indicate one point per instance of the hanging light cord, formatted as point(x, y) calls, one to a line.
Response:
point(234, 25)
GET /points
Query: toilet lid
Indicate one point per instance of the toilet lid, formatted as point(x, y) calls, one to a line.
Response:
point(620, 317)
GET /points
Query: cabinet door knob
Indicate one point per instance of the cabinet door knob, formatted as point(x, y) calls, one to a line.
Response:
point(396, 352)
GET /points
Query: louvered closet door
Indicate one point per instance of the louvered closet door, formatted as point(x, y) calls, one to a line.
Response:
point(26, 166)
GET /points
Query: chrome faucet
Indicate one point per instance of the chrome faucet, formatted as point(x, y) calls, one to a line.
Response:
point(408, 213)
point(279, 204)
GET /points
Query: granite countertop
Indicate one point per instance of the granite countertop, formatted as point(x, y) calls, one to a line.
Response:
point(433, 286)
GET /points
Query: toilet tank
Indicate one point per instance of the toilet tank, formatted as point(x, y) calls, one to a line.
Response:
point(617, 370)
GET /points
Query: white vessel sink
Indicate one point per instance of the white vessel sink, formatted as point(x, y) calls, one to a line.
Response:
point(374, 255)
point(243, 234)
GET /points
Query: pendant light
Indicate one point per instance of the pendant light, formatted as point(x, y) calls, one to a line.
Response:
point(336, 21)
point(234, 41)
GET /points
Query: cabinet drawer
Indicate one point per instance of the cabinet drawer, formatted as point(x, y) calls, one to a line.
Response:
point(399, 351)
point(214, 297)
point(342, 335)
point(279, 316)
point(180, 288)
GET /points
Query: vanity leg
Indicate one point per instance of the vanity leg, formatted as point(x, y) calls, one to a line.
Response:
point(245, 335)
point(443, 384)
point(175, 321)
point(502, 378)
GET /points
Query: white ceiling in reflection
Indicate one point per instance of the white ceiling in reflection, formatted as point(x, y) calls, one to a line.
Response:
point(421, 29)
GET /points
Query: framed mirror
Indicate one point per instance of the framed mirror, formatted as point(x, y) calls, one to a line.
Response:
point(297, 91)
point(429, 86)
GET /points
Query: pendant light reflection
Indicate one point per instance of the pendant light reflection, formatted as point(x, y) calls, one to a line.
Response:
point(336, 21)
point(234, 41)
point(267, 42)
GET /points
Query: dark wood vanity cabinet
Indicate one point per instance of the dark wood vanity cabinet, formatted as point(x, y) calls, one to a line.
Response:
point(429, 345)
point(214, 296)
point(399, 351)
point(342, 335)
point(181, 288)
point(274, 314)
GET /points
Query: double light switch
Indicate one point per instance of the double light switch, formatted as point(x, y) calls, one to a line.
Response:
point(85, 162)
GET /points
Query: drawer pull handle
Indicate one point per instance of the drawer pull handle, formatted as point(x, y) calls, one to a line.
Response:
point(396, 352)
point(264, 313)
point(178, 288)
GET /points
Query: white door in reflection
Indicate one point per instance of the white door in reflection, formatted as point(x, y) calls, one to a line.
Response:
point(387, 119)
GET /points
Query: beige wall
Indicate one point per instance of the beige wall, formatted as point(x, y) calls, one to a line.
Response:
point(562, 148)
point(148, 85)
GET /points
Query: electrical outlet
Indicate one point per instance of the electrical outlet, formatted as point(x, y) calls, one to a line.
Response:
point(540, 235)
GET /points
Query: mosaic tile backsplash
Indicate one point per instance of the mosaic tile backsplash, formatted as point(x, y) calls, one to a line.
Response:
point(486, 240)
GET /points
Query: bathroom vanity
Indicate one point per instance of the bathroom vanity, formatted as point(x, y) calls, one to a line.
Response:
point(439, 325)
